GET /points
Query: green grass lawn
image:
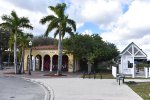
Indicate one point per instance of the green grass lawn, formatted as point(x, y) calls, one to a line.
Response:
point(142, 89)
point(100, 75)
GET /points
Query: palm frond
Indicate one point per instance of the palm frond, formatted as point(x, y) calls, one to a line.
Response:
point(14, 15)
point(72, 24)
point(24, 20)
point(59, 9)
point(28, 26)
point(56, 33)
point(6, 18)
point(51, 26)
point(47, 19)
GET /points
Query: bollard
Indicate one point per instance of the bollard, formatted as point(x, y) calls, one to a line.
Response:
point(119, 81)
point(101, 76)
point(83, 75)
point(89, 75)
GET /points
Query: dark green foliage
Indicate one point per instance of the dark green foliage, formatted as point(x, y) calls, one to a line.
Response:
point(142, 65)
point(90, 48)
point(40, 40)
point(4, 38)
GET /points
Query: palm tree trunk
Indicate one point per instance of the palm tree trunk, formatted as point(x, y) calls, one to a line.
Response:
point(15, 55)
point(59, 55)
point(89, 68)
point(21, 64)
point(23, 61)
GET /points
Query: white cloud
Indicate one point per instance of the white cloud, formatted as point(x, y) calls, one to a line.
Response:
point(132, 26)
point(100, 12)
point(34, 17)
point(119, 26)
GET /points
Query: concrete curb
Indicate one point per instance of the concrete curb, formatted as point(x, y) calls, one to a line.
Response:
point(50, 89)
point(48, 95)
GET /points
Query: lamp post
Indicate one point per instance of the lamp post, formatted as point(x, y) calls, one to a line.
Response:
point(9, 50)
point(29, 68)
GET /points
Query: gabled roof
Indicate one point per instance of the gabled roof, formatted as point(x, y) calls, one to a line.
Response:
point(133, 49)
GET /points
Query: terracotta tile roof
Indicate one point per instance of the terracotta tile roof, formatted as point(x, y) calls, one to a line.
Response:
point(52, 47)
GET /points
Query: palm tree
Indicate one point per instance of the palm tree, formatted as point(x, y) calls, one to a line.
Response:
point(61, 24)
point(24, 39)
point(14, 24)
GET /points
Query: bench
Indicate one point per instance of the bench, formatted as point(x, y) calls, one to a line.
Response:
point(120, 77)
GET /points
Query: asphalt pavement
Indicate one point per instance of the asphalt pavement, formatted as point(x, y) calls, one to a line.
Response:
point(12, 88)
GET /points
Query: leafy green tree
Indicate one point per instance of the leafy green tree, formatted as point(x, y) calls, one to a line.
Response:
point(89, 48)
point(15, 24)
point(4, 36)
point(61, 24)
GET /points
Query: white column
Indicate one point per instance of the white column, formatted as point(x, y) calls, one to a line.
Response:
point(133, 70)
point(51, 64)
point(114, 71)
point(146, 72)
point(42, 64)
point(75, 65)
point(33, 59)
point(121, 68)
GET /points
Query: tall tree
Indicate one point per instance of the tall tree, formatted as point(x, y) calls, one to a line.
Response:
point(24, 39)
point(90, 48)
point(61, 24)
point(14, 24)
point(4, 37)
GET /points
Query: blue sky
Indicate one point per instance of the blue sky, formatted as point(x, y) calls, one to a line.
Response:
point(117, 21)
point(90, 26)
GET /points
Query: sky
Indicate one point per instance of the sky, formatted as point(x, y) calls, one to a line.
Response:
point(117, 21)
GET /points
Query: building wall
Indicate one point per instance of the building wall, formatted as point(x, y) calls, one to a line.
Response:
point(51, 53)
point(125, 59)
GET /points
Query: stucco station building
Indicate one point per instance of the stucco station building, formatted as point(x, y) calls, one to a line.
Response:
point(45, 58)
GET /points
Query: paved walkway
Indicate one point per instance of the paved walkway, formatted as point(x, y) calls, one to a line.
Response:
point(71, 87)
point(88, 89)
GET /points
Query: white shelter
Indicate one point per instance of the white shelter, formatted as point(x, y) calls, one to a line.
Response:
point(128, 56)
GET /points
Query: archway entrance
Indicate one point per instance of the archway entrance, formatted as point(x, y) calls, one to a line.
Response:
point(55, 62)
point(46, 62)
point(64, 63)
point(38, 62)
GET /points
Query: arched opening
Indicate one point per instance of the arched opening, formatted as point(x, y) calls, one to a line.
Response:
point(46, 62)
point(38, 62)
point(55, 62)
point(64, 63)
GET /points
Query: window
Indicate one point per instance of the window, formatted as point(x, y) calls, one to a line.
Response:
point(130, 65)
